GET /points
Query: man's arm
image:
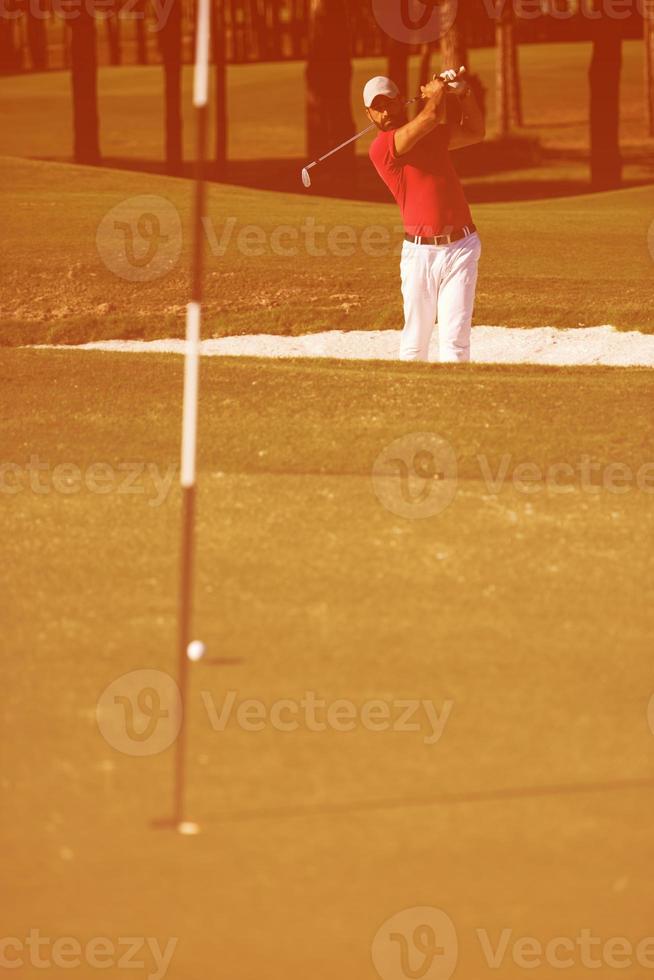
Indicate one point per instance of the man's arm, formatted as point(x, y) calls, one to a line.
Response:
point(432, 115)
point(471, 128)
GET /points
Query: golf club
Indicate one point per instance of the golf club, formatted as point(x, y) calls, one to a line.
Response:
point(306, 177)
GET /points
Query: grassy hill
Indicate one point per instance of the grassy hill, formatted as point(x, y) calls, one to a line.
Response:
point(565, 262)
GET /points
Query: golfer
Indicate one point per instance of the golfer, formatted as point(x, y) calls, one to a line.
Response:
point(441, 247)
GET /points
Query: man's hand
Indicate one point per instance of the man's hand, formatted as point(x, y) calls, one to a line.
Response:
point(434, 90)
point(433, 113)
point(456, 80)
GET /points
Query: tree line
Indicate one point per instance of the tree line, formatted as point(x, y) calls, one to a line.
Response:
point(327, 34)
point(35, 35)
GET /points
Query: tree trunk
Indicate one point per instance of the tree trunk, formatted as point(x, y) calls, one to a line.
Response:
point(397, 67)
point(65, 43)
point(259, 28)
point(189, 30)
point(277, 29)
point(328, 82)
point(250, 35)
point(502, 78)
point(10, 55)
point(297, 27)
point(220, 81)
point(604, 78)
point(649, 73)
point(455, 52)
point(170, 41)
point(141, 43)
point(508, 88)
point(424, 68)
point(84, 77)
point(454, 46)
point(237, 31)
point(37, 42)
point(515, 87)
point(113, 35)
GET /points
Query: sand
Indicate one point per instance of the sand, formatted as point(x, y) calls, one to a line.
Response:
point(492, 345)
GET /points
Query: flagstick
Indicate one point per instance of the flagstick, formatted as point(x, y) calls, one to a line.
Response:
point(190, 411)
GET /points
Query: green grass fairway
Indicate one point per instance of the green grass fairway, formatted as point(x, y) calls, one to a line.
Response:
point(531, 612)
point(566, 262)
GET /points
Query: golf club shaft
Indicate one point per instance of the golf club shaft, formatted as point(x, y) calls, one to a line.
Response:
point(356, 137)
point(340, 146)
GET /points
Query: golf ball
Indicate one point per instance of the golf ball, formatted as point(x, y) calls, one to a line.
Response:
point(195, 650)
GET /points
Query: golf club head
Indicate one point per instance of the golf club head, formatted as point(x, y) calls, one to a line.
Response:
point(306, 179)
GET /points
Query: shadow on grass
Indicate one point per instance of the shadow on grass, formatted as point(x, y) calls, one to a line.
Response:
point(283, 175)
point(482, 185)
point(438, 800)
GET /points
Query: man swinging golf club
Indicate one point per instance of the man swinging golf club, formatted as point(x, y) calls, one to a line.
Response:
point(441, 246)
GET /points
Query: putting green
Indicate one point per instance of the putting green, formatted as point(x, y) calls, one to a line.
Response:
point(524, 606)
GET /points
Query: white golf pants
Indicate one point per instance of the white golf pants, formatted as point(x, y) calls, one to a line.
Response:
point(438, 283)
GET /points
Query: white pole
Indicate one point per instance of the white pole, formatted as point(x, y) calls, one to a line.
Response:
point(190, 411)
point(201, 76)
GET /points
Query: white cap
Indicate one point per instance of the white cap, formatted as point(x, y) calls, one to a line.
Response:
point(379, 85)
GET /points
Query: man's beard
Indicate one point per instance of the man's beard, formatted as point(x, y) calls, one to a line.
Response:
point(394, 122)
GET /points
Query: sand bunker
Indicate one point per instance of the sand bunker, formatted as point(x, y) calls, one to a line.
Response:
point(491, 345)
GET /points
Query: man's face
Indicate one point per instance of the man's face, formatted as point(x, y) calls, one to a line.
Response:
point(386, 113)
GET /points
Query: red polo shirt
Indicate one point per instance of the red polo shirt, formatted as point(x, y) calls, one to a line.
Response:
point(423, 182)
